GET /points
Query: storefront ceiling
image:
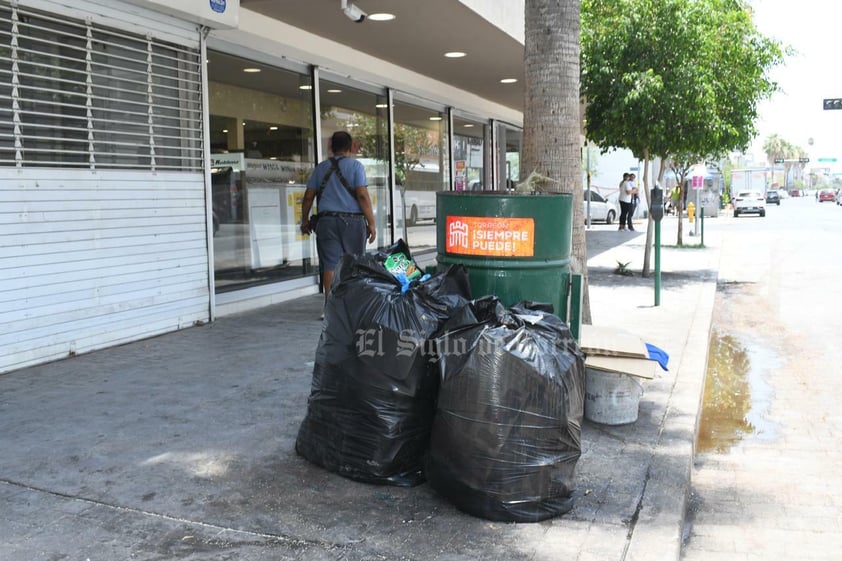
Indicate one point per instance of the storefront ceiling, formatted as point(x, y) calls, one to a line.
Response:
point(417, 39)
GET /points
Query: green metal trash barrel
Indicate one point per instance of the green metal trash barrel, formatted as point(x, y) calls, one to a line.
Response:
point(515, 246)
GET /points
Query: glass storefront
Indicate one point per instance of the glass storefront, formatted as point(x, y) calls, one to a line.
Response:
point(421, 170)
point(264, 146)
point(262, 152)
point(470, 155)
point(509, 144)
point(364, 115)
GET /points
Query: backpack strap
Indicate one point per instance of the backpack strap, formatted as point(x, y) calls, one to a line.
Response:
point(325, 180)
point(334, 167)
point(334, 163)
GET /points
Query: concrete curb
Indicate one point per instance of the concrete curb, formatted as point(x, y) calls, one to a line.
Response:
point(658, 529)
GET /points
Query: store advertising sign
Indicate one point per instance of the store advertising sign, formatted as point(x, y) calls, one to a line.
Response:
point(698, 181)
point(488, 236)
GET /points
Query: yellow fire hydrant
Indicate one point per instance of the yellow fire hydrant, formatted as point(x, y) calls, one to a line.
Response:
point(691, 211)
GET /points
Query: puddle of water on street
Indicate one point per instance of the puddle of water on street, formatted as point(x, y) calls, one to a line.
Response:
point(736, 399)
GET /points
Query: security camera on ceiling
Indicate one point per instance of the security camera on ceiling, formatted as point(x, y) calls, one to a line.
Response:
point(352, 11)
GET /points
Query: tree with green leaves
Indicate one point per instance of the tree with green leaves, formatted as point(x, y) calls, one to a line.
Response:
point(674, 79)
point(777, 148)
point(727, 167)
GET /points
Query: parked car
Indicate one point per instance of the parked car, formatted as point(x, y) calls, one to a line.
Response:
point(749, 202)
point(773, 197)
point(795, 193)
point(826, 195)
point(602, 210)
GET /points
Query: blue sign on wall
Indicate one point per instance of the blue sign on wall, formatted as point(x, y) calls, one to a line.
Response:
point(218, 6)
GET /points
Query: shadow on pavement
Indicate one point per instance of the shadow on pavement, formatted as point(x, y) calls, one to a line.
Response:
point(605, 276)
point(600, 241)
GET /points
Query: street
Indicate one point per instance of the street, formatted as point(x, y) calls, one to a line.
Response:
point(766, 477)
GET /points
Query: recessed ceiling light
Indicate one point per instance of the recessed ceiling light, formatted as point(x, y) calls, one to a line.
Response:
point(455, 54)
point(251, 70)
point(224, 130)
point(381, 16)
point(273, 128)
point(305, 87)
point(381, 105)
point(334, 90)
point(469, 125)
point(508, 80)
point(435, 118)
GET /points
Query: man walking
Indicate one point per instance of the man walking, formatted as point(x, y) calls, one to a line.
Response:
point(345, 217)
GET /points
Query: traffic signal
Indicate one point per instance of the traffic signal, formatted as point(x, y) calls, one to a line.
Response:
point(803, 160)
point(779, 160)
point(833, 103)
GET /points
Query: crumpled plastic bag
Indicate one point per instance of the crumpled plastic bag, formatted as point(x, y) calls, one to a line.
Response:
point(506, 435)
point(374, 386)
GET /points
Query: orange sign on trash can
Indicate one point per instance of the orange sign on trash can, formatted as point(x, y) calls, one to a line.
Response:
point(499, 237)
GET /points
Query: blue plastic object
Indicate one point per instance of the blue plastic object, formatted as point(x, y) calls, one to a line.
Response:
point(658, 355)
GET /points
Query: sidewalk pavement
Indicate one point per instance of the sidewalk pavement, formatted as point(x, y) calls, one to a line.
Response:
point(182, 446)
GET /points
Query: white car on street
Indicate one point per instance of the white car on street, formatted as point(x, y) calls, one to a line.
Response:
point(749, 202)
point(602, 209)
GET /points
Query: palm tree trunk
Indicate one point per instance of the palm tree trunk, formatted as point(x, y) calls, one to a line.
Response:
point(552, 125)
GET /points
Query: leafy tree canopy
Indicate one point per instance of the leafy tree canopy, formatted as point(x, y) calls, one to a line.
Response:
point(668, 77)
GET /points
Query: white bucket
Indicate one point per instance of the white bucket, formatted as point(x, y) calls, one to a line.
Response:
point(611, 399)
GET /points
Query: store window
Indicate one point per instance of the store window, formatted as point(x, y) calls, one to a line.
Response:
point(262, 152)
point(364, 115)
point(421, 170)
point(469, 155)
point(509, 144)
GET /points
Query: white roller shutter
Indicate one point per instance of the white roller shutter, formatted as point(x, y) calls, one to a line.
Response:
point(124, 16)
point(103, 235)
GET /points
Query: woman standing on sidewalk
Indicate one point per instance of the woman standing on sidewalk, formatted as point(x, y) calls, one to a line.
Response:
point(627, 191)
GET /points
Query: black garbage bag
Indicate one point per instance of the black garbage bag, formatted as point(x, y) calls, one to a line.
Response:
point(374, 385)
point(506, 435)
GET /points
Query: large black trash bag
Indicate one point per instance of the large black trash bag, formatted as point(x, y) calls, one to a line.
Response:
point(507, 431)
point(374, 386)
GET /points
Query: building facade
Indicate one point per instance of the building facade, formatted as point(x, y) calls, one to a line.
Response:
point(153, 155)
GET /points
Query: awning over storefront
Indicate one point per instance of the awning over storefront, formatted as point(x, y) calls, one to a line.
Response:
point(419, 36)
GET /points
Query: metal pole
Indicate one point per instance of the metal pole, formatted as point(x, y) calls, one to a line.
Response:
point(588, 165)
point(658, 262)
point(698, 211)
point(702, 218)
point(576, 285)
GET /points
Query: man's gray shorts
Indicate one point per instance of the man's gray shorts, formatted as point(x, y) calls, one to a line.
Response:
point(337, 235)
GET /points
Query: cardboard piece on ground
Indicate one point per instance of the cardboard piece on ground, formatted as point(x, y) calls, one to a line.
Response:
point(640, 367)
point(611, 341)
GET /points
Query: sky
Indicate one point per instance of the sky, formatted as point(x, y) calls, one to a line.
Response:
point(813, 73)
